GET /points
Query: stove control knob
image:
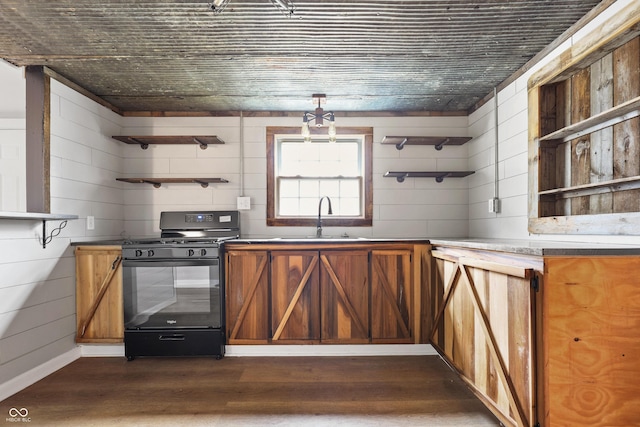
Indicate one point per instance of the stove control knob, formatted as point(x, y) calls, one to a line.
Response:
point(203, 252)
point(150, 253)
point(190, 252)
point(138, 253)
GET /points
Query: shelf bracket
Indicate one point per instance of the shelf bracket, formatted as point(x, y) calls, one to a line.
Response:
point(53, 233)
point(154, 183)
point(400, 145)
point(143, 145)
point(442, 144)
point(203, 145)
point(441, 178)
point(400, 178)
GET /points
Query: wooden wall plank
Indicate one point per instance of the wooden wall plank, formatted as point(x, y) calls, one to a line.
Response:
point(520, 340)
point(499, 321)
point(580, 147)
point(626, 135)
point(38, 139)
point(601, 150)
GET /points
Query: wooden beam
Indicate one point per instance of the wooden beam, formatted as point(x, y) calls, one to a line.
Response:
point(38, 136)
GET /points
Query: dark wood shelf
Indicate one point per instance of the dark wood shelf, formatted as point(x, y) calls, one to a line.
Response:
point(157, 182)
point(437, 141)
point(439, 175)
point(144, 141)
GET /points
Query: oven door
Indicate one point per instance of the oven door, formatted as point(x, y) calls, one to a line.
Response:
point(172, 294)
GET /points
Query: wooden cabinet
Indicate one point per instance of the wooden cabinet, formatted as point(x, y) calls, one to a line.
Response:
point(295, 312)
point(542, 339)
point(484, 327)
point(99, 307)
point(324, 293)
point(392, 296)
point(344, 289)
point(247, 297)
point(590, 341)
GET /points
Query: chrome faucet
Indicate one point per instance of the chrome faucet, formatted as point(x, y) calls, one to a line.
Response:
point(330, 212)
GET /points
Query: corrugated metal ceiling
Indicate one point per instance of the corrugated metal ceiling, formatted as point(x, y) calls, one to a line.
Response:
point(393, 56)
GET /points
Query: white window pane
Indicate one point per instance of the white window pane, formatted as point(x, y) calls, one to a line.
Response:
point(330, 188)
point(289, 206)
point(350, 206)
point(349, 188)
point(290, 188)
point(324, 162)
point(309, 188)
point(309, 206)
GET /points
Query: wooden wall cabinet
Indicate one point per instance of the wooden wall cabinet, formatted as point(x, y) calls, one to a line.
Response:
point(548, 340)
point(584, 134)
point(99, 307)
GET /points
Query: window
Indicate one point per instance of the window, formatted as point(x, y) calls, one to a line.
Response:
point(299, 174)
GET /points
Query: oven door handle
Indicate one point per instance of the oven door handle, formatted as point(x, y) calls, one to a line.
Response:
point(171, 263)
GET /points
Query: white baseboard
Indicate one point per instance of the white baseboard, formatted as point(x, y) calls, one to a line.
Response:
point(331, 350)
point(117, 350)
point(102, 350)
point(34, 375)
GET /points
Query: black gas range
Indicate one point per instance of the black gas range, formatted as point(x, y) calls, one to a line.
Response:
point(174, 286)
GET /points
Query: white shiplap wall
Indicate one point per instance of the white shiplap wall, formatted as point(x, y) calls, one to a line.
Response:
point(418, 207)
point(37, 285)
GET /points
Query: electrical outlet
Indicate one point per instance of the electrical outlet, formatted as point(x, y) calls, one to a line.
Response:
point(244, 203)
point(91, 223)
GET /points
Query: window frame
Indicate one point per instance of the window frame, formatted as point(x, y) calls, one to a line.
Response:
point(365, 221)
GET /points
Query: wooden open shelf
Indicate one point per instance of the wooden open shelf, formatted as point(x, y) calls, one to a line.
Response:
point(157, 182)
point(439, 175)
point(437, 141)
point(618, 114)
point(584, 134)
point(144, 141)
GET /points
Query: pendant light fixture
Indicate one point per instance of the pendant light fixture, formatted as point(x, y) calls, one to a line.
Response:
point(319, 116)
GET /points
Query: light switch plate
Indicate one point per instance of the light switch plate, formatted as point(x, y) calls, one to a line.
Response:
point(244, 203)
point(91, 223)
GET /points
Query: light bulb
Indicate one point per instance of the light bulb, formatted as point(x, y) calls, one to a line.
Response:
point(305, 132)
point(332, 131)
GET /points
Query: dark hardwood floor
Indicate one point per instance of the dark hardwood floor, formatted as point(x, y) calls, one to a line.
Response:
point(252, 391)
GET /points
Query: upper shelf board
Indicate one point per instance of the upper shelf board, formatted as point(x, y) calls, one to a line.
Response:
point(437, 141)
point(144, 141)
point(438, 175)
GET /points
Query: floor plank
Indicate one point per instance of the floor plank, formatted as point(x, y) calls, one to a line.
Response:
point(253, 391)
